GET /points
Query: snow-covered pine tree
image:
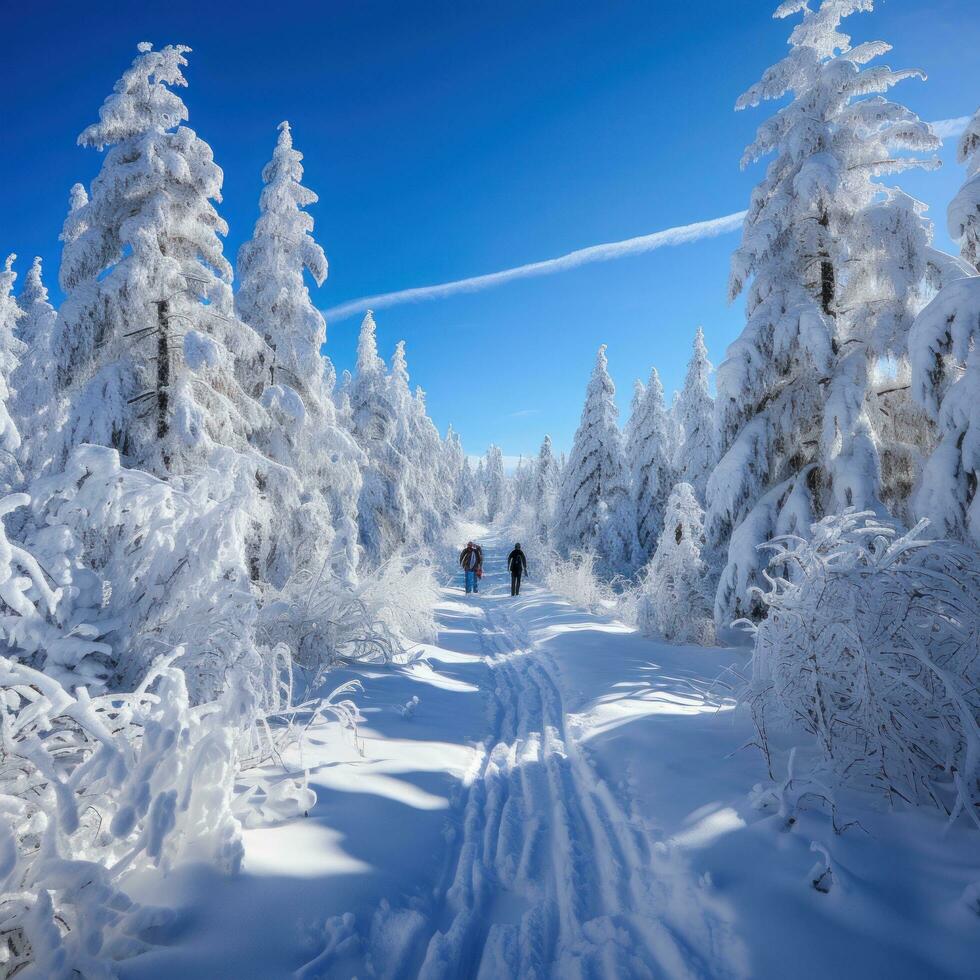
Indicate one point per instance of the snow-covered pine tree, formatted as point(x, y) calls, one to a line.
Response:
point(945, 352)
point(639, 390)
point(374, 419)
point(147, 351)
point(695, 456)
point(466, 488)
point(650, 454)
point(836, 263)
point(272, 295)
point(673, 601)
point(33, 381)
point(595, 512)
point(372, 415)
point(314, 504)
point(429, 493)
point(496, 485)
point(545, 491)
point(479, 503)
point(452, 462)
point(11, 351)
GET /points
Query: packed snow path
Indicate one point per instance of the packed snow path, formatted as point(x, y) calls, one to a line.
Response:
point(553, 877)
point(544, 793)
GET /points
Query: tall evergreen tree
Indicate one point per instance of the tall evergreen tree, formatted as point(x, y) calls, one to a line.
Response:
point(650, 453)
point(466, 494)
point(429, 499)
point(147, 351)
point(453, 460)
point(33, 380)
point(695, 457)
point(375, 404)
point(595, 512)
point(835, 264)
point(496, 486)
point(11, 350)
point(314, 510)
point(545, 490)
point(945, 352)
point(272, 295)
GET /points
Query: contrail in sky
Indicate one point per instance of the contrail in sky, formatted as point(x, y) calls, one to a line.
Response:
point(582, 256)
point(679, 235)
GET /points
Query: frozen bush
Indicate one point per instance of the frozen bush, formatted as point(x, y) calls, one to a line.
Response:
point(37, 624)
point(577, 579)
point(167, 565)
point(872, 647)
point(322, 620)
point(94, 788)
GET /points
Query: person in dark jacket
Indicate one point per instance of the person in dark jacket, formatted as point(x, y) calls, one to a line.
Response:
point(471, 561)
point(517, 563)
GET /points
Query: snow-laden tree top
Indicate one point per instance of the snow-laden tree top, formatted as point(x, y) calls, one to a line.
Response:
point(142, 101)
point(272, 296)
point(367, 347)
point(147, 349)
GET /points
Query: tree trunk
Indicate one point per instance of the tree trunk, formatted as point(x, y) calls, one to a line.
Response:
point(828, 279)
point(163, 370)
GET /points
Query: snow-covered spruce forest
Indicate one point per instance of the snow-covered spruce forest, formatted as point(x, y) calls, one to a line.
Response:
point(252, 726)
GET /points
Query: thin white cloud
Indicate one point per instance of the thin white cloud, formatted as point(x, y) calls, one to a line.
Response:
point(947, 128)
point(594, 253)
point(679, 235)
point(524, 413)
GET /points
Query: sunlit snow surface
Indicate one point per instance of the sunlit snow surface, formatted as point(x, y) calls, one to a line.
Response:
point(564, 798)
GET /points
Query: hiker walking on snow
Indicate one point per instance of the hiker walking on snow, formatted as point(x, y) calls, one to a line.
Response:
point(517, 563)
point(471, 561)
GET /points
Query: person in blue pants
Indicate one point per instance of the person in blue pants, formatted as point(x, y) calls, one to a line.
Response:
point(471, 561)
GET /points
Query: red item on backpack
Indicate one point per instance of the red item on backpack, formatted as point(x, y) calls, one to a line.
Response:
point(479, 573)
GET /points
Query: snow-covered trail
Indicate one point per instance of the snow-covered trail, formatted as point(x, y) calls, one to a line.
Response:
point(553, 877)
point(545, 793)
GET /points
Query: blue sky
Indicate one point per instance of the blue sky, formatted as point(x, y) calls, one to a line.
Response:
point(451, 139)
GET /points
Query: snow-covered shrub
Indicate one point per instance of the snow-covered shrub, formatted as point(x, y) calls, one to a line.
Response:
point(38, 621)
point(95, 788)
point(92, 788)
point(872, 647)
point(170, 565)
point(672, 600)
point(322, 620)
point(577, 579)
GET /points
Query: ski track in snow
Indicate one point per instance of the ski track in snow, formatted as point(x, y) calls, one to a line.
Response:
point(551, 877)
